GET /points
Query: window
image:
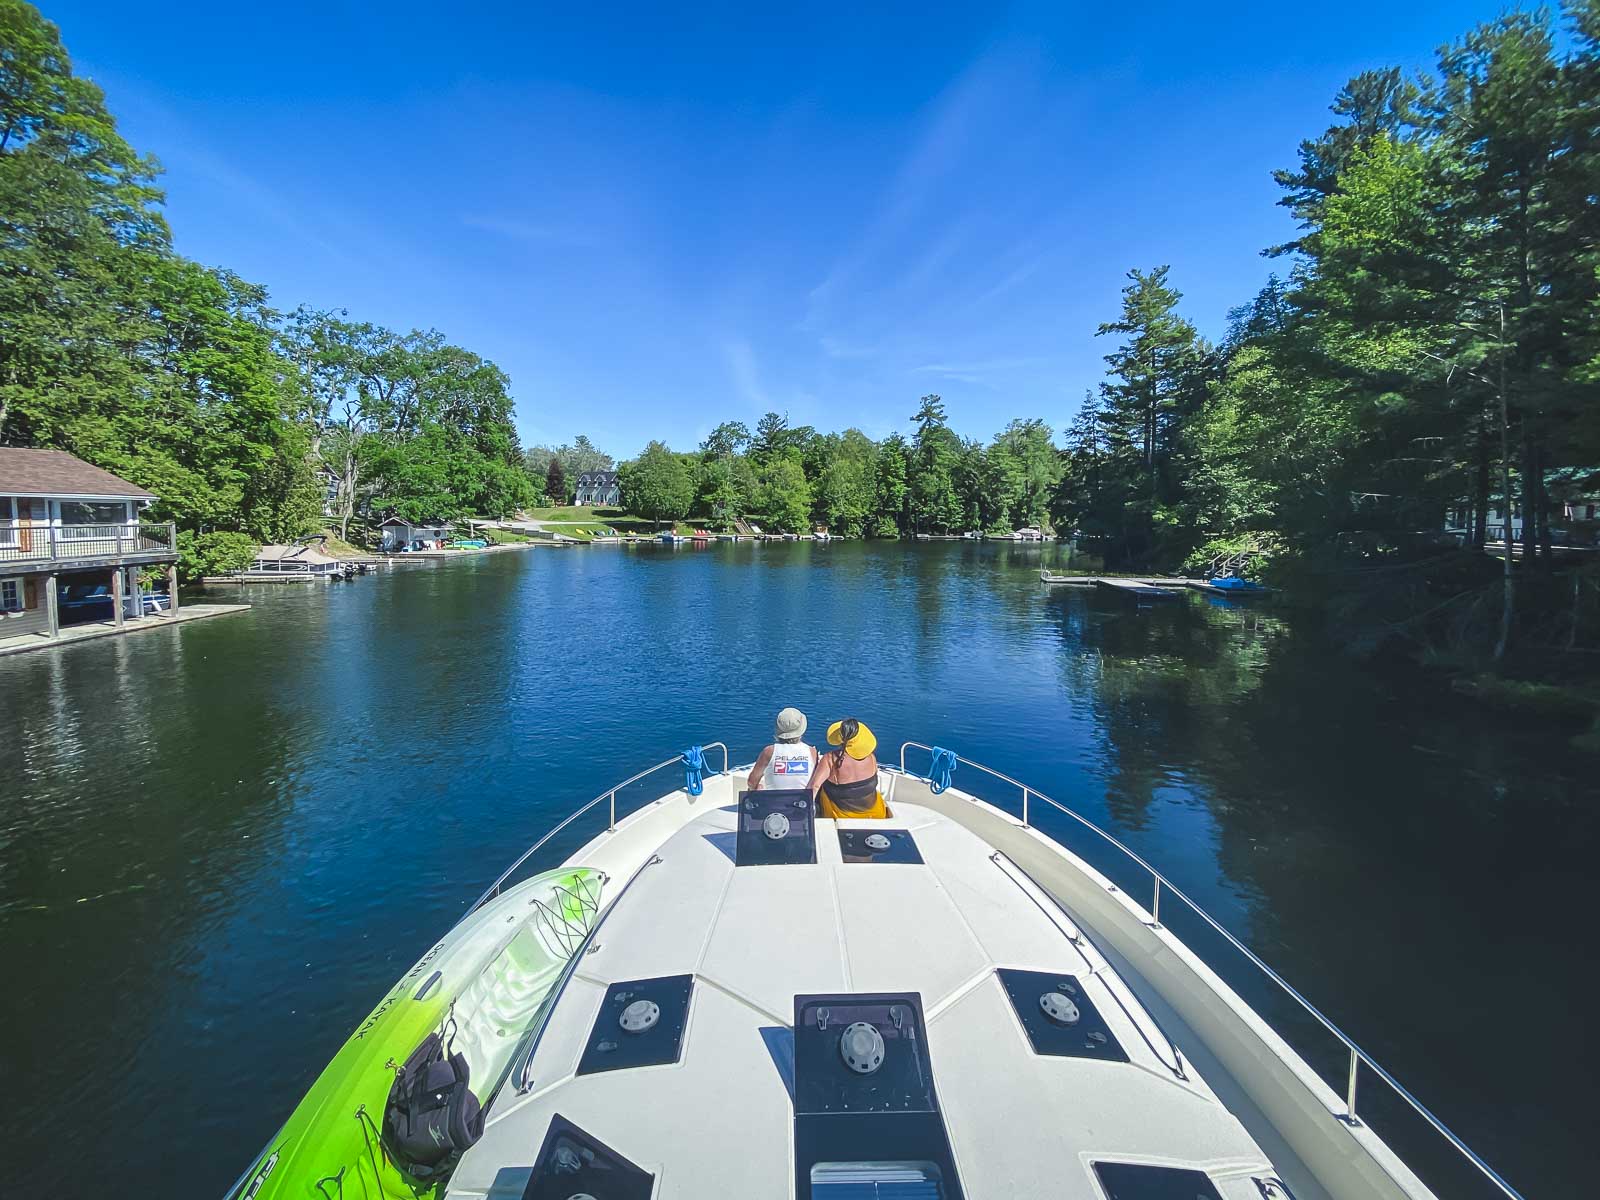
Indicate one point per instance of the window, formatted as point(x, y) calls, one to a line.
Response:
point(85, 512)
point(10, 595)
point(10, 510)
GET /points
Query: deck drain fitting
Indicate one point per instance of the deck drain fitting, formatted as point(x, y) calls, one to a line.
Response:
point(640, 1016)
point(1058, 1008)
point(876, 841)
point(861, 1046)
point(776, 826)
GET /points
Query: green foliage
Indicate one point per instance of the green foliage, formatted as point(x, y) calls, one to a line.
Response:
point(658, 485)
point(785, 494)
point(215, 553)
point(555, 483)
point(935, 452)
point(181, 378)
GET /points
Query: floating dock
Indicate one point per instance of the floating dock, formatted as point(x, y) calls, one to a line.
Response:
point(1148, 588)
point(1141, 589)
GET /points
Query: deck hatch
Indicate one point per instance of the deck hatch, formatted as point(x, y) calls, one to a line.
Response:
point(1058, 1016)
point(867, 846)
point(574, 1163)
point(866, 1112)
point(765, 840)
point(640, 1024)
point(1140, 1181)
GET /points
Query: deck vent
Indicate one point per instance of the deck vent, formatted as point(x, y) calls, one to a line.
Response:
point(875, 1180)
point(640, 1024)
point(1058, 1017)
point(573, 1163)
point(877, 845)
point(866, 1113)
point(1139, 1181)
point(775, 829)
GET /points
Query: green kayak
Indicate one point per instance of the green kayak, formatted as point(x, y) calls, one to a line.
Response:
point(487, 977)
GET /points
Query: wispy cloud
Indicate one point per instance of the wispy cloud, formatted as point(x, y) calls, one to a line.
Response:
point(980, 373)
point(839, 348)
point(946, 137)
point(1012, 279)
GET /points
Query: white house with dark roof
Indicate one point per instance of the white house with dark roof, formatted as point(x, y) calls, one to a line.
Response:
point(599, 489)
point(73, 544)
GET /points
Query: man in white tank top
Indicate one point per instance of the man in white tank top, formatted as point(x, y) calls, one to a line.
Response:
point(788, 764)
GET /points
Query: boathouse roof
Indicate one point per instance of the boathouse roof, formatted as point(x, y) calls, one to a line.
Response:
point(305, 554)
point(57, 473)
point(414, 524)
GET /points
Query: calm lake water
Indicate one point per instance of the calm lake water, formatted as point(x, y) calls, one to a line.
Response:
point(221, 843)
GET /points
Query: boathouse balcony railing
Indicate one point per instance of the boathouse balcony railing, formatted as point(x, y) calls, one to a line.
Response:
point(1161, 886)
point(31, 543)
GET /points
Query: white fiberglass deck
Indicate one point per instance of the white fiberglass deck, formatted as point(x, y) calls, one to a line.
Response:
point(721, 1120)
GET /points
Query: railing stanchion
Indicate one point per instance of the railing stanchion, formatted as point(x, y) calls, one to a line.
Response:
point(1357, 1057)
point(613, 827)
point(1350, 1095)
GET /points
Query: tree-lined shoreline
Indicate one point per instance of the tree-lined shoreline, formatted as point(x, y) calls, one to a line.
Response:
point(1431, 347)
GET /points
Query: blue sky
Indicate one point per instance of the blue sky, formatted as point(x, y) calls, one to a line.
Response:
point(656, 219)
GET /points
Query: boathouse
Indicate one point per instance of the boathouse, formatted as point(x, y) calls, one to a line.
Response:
point(75, 547)
point(294, 562)
point(600, 489)
point(399, 534)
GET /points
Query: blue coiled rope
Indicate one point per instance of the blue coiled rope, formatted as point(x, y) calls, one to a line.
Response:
point(944, 766)
point(694, 762)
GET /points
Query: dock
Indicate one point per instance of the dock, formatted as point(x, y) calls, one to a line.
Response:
point(1145, 588)
point(1140, 588)
point(90, 630)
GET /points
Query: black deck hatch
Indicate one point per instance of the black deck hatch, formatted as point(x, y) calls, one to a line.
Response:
point(775, 829)
point(878, 846)
point(1140, 1181)
point(866, 1112)
point(1060, 1019)
point(574, 1163)
point(640, 1024)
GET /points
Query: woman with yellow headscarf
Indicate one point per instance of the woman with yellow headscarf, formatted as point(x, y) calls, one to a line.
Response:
point(846, 783)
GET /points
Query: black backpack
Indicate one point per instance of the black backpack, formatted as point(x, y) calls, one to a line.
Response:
point(432, 1117)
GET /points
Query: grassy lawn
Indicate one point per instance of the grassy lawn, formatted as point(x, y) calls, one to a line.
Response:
point(579, 513)
point(503, 537)
point(570, 519)
point(337, 548)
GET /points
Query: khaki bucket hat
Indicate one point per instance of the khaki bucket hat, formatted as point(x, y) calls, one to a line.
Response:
point(791, 723)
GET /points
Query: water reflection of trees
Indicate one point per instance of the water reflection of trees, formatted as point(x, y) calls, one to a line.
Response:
point(1158, 678)
point(132, 772)
point(1386, 833)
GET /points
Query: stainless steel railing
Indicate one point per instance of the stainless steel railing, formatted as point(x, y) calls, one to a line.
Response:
point(610, 794)
point(1358, 1056)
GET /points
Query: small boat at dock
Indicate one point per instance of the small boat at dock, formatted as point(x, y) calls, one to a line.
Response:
point(1231, 586)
